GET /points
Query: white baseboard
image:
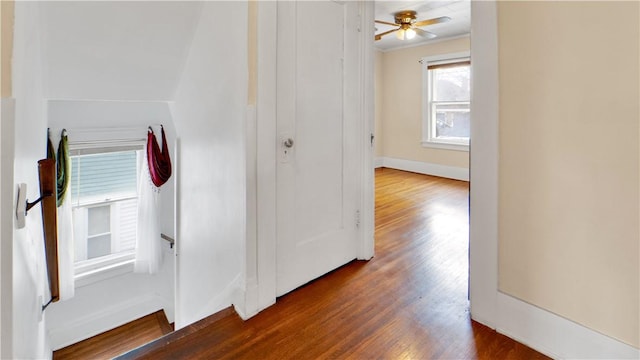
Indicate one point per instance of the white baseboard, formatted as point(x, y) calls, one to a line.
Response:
point(247, 304)
point(378, 162)
point(556, 336)
point(104, 320)
point(445, 171)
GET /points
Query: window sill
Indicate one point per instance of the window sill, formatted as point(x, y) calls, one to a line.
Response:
point(445, 146)
point(103, 273)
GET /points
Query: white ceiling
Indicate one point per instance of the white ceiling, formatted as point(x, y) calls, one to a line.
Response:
point(459, 11)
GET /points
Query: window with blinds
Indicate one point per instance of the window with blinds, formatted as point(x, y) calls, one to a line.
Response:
point(103, 190)
point(446, 110)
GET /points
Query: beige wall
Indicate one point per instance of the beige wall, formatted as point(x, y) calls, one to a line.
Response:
point(379, 86)
point(6, 9)
point(569, 161)
point(402, 105)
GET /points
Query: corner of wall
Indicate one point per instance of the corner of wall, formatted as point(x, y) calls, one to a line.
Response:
point(7, 208)
point(209, 111)
point(245, 299)
point(29, 277)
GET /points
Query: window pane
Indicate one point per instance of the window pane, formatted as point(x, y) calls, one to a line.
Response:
point(101, 177)
point(101, 239)
point(127, 218)
point(98, 246)
point(451, 83)
point(98, 220)
point(452, 121)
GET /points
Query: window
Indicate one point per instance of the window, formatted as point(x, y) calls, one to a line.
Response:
point(446, 101)
point(104, 193)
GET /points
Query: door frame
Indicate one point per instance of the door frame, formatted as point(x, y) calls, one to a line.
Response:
point(261, 286)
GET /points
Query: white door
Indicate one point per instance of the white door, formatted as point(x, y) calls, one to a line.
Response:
point(319, 148)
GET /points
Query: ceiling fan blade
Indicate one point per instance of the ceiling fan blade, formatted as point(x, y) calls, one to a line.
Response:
point(424, 33)
point(385, 22)
point(379, 36)
point(437, 20)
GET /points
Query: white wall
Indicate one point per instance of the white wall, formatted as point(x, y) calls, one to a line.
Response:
point(161, 62)
point(209, 113)
point(6, 173)
point(71, 50)
point(30, 290)
point(7, 215)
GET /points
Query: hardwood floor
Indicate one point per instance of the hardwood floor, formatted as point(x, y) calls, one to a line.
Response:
point(118, 341)
point(408, 302)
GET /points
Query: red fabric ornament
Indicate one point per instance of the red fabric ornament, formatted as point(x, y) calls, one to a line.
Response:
point(159, 161)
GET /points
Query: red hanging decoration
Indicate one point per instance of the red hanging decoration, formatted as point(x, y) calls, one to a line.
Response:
point(159, 161)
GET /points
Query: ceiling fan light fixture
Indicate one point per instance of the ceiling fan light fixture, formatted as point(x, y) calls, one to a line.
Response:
point(409, 34)
point(406, 27)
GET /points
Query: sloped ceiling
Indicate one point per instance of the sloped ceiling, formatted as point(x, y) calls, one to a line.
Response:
point(115, 50)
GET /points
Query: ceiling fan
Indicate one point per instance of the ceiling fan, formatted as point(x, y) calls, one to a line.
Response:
point(408, 27)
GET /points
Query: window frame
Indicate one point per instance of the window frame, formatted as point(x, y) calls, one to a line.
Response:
point(429, 138)
point(93, 270)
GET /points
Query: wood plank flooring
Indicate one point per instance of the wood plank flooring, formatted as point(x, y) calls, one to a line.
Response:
point(408, 302)
point(118, 341)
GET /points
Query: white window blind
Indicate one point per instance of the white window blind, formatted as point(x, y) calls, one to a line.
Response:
point(103, 177)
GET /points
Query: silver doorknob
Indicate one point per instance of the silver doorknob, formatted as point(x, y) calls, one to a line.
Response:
point(288, 143)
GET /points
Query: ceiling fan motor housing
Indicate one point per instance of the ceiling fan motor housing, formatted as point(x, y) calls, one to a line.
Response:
point(405, 17)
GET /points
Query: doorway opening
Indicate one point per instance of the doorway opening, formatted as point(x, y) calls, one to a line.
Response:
point(422, 131)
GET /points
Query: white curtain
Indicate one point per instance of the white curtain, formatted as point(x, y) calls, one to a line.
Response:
point(148, 244)
point(65, 249)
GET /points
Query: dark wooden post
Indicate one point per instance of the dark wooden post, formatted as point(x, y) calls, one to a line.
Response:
point(47, 172)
